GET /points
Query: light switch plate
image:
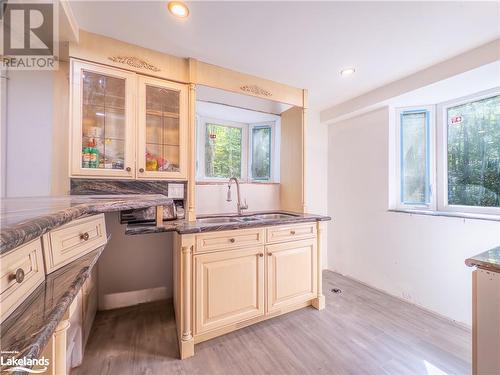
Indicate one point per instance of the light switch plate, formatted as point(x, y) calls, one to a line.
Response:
point(176, 191)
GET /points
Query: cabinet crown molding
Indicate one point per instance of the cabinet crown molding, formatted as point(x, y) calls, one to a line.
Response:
point(256, 90)
point(134, 62)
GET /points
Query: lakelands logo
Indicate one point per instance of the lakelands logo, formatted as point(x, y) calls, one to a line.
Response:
point(29, 35)
point(23, 364)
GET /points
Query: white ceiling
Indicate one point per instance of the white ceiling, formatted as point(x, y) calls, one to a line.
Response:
point(304, 44)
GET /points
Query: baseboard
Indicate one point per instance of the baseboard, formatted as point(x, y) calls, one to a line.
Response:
point(135, 297)
point(432, 312)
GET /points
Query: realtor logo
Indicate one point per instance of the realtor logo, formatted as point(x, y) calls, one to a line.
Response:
point(29, 35)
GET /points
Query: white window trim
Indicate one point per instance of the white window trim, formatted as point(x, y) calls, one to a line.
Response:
point(246, 162)
point(430, 109)
point(442, 152)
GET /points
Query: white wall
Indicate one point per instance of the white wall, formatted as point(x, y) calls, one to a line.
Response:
point(29, 133)
point(134, 263)
point(211, 199)
point(316, 172)
point(419, 258)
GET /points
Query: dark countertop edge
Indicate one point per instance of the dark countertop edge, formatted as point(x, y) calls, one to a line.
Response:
point(176, 226)
point(43, 336)
point(471, 262)
point(29, 230)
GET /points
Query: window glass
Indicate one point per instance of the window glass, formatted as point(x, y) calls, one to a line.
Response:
point(414, 158)
point(474, 153)
point(223, 151)
point(261, 153)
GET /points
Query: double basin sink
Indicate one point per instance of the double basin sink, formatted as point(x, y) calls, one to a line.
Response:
point(245, 218)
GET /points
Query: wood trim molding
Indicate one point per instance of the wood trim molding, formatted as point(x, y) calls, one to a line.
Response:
point(255, 90)
point(134, 62)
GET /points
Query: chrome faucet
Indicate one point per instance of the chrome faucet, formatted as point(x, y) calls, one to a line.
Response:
point(240, 206)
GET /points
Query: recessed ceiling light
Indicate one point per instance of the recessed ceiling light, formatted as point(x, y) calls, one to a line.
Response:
point(178, 9)
point(347, 72)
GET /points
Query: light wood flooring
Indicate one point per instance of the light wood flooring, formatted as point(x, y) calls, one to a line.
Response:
point(361, 331)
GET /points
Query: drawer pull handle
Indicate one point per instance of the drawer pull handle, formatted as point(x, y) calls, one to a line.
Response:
point(84, 236)
point(141, 170)
point(128, 169)
point(292, 232)
point(270, 254)
point(18, 276)
point(261, 255)
point(232, 240)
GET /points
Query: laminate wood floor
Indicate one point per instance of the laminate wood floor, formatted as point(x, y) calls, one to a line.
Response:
point(361, 331)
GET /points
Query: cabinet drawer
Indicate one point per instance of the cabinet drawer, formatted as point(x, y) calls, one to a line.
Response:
point(71, 241)
point(229, 239)
point(27, 262)
point(290, 232)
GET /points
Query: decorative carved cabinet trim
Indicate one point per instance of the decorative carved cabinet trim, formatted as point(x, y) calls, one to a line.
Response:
point(134, 62)
point(256, 90)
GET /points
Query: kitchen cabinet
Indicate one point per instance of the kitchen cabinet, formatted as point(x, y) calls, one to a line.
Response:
point(226, 280)
point(229, 287)
point(162, 129)
point(102, 121)
point(291, 273)
point(125, 125)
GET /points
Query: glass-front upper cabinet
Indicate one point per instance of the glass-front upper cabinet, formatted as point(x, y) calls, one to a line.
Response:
point(162, 125)
point(103, 112)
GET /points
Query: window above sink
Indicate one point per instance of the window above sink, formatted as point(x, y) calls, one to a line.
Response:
point(235, 142)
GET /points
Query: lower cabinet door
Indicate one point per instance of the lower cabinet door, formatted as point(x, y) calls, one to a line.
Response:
point(229, 287)
point(291, 273)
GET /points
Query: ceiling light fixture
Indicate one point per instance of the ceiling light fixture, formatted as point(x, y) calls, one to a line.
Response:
point(347, 72)
point(178, 9)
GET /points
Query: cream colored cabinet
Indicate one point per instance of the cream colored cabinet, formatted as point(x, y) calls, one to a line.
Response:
point(291, 273)
point(102, 121)
point(125, 125)
point(229, 287)
point(162, 129)
point(225, 280)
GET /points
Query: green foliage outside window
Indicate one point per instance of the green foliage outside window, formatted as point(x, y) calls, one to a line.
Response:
point(474, 153)
point(223, 151)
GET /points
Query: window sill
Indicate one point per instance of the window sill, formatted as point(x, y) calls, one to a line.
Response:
point(225, 182)
point(461, 215)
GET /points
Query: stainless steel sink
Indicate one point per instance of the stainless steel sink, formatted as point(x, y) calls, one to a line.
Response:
point(218, 220)
point(244, 219)
point(274, 216)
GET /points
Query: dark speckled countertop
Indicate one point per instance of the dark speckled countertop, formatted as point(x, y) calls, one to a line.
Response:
point(489, 260)
point(28, 329)
point(24, 219)
point(187, 227)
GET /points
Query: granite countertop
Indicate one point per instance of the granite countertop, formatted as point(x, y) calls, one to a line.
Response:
point(188, 227)
point(489, 260)
point(24, 219)
point(28, 329)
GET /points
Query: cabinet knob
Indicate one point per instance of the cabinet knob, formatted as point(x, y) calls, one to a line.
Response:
point(141, 170)
point(85, 236)
point(292, 232)
point(270, 254)
point(261, 255)
point(128, 169)
point(18, 276)
point(232, 240)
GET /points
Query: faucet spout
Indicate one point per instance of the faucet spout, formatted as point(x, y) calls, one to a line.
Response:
point(240, 206)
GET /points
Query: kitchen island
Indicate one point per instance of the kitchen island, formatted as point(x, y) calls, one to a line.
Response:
point(485, 312)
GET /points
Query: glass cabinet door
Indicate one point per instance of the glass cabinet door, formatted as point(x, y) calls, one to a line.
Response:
point(162, 125)
point(102, 121)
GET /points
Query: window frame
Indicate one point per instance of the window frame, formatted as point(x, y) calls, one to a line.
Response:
point(430, 142)
point(442, 152)
point(246, 149)
point(272, 144)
